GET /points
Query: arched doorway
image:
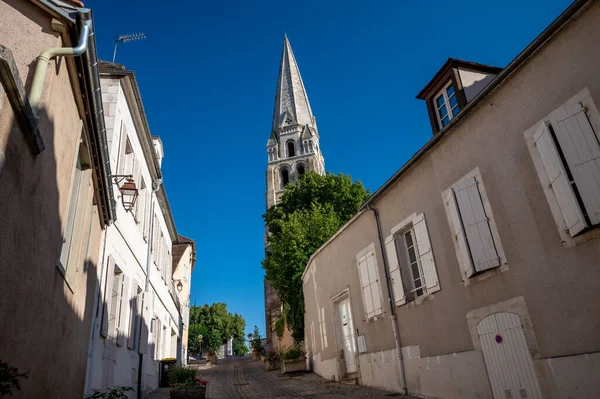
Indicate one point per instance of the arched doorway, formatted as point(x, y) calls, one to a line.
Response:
point(507, 358)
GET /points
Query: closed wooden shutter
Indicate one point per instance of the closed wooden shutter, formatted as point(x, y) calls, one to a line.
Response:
point(110, 274)
point(558, 180)
point(460, 240)
point(394, 269)
point(374, 282)
point(580, 146)
point(425, 253)
point(476, 224)
point(122, 329)
point(134, 319)
point(143, 347)
point(366, 286)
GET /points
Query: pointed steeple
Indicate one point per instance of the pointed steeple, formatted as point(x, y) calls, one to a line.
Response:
point(290, 99)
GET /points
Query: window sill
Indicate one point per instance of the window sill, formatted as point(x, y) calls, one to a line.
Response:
point(476, 278)
point(416, 302)
point(63, 272)
point(591, 233)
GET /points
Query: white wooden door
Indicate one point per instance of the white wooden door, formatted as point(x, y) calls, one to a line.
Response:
point(347, 331)
point(507, 358)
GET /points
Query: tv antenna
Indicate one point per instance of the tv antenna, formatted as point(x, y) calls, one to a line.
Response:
point(127, 38)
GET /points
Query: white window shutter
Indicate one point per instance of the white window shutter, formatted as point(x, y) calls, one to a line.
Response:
point(123, 315)
point(426, 254)
point(476, 224)
point(107, 296)
point(365, 286)
point(394, 269)
point(143, 347)
point(135, 316)
point(581, 149)
point(374, 281)
point(456, 226)
point(558, 180)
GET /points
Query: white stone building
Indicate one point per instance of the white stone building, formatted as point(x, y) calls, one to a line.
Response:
point(136, 318)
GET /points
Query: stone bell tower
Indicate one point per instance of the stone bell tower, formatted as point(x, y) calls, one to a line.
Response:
point(292, 150)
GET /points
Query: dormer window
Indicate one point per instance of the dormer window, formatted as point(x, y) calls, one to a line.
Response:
point(446, 105)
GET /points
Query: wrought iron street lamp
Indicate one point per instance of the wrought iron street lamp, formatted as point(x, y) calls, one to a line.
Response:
point(129, 191)
point(179, 286)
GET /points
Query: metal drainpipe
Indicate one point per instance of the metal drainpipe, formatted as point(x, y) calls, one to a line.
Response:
point(39, 76)
point(391, 301)
point(155, 186)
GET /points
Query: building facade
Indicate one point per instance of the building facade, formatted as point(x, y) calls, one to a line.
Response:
point(137, 319)
point(292, 150)
point(56, 196)
point(473, 272)
point(184, 259)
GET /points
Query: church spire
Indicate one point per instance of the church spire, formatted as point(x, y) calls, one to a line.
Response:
point(290, 98)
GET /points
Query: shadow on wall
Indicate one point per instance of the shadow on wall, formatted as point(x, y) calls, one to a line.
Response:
point(44, 323)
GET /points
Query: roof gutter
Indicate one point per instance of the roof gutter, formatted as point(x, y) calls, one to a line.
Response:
point(93, 97)
point(511, 68)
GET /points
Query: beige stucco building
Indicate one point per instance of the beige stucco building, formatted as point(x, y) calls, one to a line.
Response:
point(56, 196)
point(479, 257)
point(184, 260)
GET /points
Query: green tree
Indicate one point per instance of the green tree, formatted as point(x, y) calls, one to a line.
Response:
point(215, 324)
point(310, 212)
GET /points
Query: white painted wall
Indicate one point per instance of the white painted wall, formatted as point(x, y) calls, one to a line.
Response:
point(125, 243)
point(474, 81)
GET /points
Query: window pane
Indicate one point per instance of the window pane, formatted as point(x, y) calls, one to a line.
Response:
point(411, 255)
point(443, 111)
point(409, 241)
point(450, 90)
point(445, 121)
point(453, 102)
point(439, 101)
point(455, 111)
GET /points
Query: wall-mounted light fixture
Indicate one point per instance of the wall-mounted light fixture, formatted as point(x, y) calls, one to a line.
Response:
point(129, 191)
point(179, 285)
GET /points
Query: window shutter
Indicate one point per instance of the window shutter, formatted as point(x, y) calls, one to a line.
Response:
point(374, 282)
point(426, 254)
point(581, 149)
point(143, 347)
point(394, 268)
point(134, 319)
point(558, 180)
point(456, 226)
point(476, 224)
point(366, 286)
point(123, 315)
point(107, 295)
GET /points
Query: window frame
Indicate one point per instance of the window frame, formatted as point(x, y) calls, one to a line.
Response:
point(414, 291)
point(449, 109)
point(593, 116)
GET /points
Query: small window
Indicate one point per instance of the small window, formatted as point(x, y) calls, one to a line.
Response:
point(291, 149)
point(300, 170)
point(446, 105)
point(285, 177)
point(414, 263)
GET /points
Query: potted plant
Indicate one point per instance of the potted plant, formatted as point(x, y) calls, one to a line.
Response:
point(293, 360)
point(211, 357)
point(271, 361)
point(185, 385)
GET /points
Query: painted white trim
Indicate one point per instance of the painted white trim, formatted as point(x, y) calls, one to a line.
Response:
point(402, 225)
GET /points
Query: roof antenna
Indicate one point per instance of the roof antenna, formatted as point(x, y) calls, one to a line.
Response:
point(125, 39)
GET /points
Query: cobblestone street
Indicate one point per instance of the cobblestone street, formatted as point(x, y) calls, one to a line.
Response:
point(243, 378)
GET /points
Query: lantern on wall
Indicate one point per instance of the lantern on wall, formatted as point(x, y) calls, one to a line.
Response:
point(129, 192)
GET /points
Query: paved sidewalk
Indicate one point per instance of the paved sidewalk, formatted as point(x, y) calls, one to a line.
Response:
point(246, 379)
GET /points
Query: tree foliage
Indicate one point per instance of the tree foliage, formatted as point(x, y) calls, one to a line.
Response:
point(310, 212)
point(216, 325)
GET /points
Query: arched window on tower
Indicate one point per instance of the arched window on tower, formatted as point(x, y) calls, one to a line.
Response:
point(301, 170)
point(285, 177)
point(291, 149)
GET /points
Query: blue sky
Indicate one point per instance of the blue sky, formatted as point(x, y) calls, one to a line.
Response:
point(208, 71)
